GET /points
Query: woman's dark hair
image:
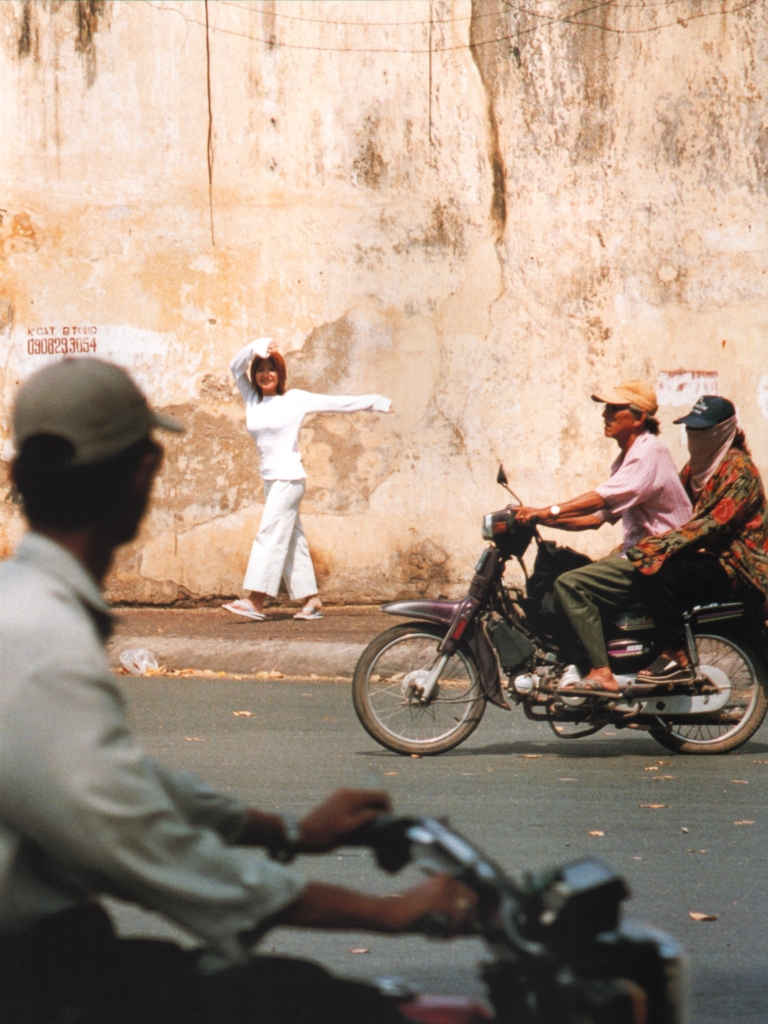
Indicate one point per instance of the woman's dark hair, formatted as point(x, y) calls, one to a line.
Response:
point(740, 441)
point(279, 365)
point(66, 497)
point(652, 425)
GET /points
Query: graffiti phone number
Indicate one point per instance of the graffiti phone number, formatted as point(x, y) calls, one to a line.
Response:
point(60, 346)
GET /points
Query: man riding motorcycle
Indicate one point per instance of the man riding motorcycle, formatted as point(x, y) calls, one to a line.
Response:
point(84, 812)
point(721, 553)
point(645, 492)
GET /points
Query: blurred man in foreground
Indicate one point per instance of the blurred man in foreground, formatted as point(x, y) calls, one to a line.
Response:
point(84, 811)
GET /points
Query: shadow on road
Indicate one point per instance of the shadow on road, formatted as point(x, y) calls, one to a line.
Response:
point(639, 746)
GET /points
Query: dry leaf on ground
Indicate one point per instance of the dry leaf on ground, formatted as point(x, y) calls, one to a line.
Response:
point(194, 739)
point(696, 915)
point(746, 821)
point(596, 832)
point(663, 762)
point(653, 807)
point(740, 782)
point(359, 949)
point(698, 851)
point(530, 755)
point(243, 714)
point(651, 768)
point(391, 773)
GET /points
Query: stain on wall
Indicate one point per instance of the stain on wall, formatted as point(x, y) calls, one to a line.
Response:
point(88, 14)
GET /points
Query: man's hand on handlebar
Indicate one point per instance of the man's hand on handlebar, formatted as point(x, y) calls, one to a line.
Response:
point(524, 515)
point(324, 828)
point(576, 514)
point(343, 813)
point(440, 896)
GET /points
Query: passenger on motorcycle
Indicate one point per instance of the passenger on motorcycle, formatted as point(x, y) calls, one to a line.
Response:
point(644, 491)
point(721, 553)
point(84, 812)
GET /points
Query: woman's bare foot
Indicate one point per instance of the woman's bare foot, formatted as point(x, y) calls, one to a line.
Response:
point(668, 663)
point(256, 599)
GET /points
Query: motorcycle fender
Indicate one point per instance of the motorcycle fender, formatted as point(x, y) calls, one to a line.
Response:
point(485, 656)
point(442, 612)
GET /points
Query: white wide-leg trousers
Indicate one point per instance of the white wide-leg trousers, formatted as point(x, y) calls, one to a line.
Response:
point(280, 548)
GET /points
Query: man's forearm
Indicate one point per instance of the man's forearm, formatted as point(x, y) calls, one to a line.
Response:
point(570, 511)
point(331, 906)
point(576, 523)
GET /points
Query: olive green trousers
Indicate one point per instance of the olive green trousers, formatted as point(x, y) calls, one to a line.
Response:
point(588, 594)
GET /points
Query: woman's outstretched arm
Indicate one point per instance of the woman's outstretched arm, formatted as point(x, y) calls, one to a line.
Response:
point(242, 363)
point(345, 403)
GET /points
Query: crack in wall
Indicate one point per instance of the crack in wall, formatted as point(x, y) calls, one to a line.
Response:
point(209, 150)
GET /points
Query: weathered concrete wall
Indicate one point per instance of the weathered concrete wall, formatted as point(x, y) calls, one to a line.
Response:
point(480, 211)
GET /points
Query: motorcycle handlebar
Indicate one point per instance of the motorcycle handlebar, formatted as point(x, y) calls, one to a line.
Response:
point(570, 950)
point(533, 521)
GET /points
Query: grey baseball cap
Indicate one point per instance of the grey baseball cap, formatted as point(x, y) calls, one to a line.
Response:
point(93, 404)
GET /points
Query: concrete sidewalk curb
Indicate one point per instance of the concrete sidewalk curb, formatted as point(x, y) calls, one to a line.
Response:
point(292, 657)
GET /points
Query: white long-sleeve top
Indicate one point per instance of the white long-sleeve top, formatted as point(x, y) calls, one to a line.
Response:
point(274, 422)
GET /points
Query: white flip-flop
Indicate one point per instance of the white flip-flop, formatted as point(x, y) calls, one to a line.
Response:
point(244, 608)
point(313, 613)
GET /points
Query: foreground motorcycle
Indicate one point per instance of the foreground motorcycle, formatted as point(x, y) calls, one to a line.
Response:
point(422, 687)
point(558, 951)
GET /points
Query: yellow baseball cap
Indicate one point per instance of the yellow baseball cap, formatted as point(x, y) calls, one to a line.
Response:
point(631, 392)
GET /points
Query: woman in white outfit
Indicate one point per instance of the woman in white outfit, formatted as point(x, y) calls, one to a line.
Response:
point(273, 417)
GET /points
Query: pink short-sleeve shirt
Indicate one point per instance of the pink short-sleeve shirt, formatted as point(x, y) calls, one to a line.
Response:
point(644, 490)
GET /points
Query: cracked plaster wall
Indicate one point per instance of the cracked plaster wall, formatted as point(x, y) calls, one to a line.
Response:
point(483, 230)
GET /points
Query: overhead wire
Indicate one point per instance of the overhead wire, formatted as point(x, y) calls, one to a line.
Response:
point(333, 22)
point(545, 21)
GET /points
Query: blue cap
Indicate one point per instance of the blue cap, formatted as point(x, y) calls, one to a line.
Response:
point(708, 412)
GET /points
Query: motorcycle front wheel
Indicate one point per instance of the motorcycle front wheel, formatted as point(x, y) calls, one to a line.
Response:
point(388, 706)
point(739, 719)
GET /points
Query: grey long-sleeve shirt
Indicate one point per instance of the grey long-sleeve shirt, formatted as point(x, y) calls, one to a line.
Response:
point(83, 810)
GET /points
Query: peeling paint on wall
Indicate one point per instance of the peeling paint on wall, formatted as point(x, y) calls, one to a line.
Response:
point(485, 211)
point(685, 387)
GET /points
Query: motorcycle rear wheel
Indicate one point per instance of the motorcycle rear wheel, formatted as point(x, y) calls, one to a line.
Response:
point(397, 720)
point(739, 719)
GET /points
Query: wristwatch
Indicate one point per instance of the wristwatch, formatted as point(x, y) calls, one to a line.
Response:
point(286, 848)
point(554, 511)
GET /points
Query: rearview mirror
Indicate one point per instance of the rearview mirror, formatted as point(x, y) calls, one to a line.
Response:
point(501, 476)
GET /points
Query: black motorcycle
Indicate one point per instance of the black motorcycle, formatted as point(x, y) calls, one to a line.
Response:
point(422, 687)
point(558, 951)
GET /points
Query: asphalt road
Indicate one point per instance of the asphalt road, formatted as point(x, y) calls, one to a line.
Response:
point(529, 799)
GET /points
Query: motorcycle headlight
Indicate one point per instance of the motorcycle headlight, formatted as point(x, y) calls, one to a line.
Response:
point(488, 526)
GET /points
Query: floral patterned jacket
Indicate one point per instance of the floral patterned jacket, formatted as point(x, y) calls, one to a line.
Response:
point(730, 520)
